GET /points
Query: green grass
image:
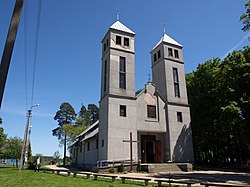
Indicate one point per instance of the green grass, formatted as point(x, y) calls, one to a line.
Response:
point(9, 177)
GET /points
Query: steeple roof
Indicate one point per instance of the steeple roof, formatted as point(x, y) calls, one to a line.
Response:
point(119, 26)
point(167, 39)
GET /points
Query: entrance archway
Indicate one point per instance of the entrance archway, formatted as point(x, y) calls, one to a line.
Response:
point(151, 149)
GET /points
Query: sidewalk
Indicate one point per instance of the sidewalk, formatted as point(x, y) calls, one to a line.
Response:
point(196, 176)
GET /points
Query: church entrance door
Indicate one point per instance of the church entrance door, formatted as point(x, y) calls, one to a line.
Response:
point(151, 149)
point(158, 151)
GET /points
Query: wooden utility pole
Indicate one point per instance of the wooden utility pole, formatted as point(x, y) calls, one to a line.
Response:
point(9, 45)
point(22, 159)
point(131, 141)
point(24, 148)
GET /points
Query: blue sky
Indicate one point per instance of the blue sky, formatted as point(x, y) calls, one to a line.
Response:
point(69, 51)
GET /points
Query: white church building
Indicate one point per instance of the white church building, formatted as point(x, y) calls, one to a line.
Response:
point(158, 117)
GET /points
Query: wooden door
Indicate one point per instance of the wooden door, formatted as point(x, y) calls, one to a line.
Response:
point(158, 151)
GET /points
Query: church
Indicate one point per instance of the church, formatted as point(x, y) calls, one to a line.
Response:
point(157, 118)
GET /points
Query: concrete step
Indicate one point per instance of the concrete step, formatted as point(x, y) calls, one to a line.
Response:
point(164, 167)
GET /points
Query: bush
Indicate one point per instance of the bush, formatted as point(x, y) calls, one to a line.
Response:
point(121, 168)
point(31, 165)
point(138, 166)
point(112, 170)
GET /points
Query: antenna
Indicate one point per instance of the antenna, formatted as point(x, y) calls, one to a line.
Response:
point(117, 11)
point(164, 27)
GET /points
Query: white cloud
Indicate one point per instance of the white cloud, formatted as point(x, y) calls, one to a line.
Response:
point(19, 112)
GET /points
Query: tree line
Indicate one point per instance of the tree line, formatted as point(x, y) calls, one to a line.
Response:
point(10, 147)
point(71, 124)
point(219, 98)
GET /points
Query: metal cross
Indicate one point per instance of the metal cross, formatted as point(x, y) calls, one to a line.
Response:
point(117, 10)
point(131, 149)
point(149, 77)
point(164, 27)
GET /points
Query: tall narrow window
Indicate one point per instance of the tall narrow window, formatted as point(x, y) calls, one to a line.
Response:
point(155, 58)
point(176, 83)
point(105, 76)
point(122, 72)
point(118, 40)
point(179, 117)
point(88, 146)
point(176, 53)
point(159, 54)
point(126, 41)
point(123, 110)
point(80, 147)
point(107, 42)
point(170, 52)
point(102, 142)
point(151, 111)
point(104, 47)
point(96, 144)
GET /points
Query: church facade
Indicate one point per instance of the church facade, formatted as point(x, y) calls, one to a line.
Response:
point(158, 117)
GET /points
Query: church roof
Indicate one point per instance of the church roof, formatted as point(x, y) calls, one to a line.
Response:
point(119, 26)
point(88, 129)
point(76, 140)
point(90, 135)
point(167, 39)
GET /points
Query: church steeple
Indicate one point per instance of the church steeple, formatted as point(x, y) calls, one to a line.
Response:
point(168, 70)
point(118, 61)
point(120, 27)
point(117, 90)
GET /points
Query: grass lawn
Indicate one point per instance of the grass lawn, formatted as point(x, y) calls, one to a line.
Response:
point(9, 177)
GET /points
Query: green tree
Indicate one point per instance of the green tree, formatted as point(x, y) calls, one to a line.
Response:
point(245, 18)
point(29, 153)
point(30, 161)
point(202, 95)
point(93, 111)
point(13, 148)
point(85, 116)
point(56, 157)
point(2, 138)
point(138, 91)
point(88, 116)
point(65, 115)
point(219, 98)
point(72, 131)
point(234, 78)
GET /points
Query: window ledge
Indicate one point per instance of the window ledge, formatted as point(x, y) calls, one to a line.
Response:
point(151, 120)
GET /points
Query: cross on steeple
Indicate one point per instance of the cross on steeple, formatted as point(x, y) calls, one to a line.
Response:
point(117, 10)
point(164, 27)
point(149, 77)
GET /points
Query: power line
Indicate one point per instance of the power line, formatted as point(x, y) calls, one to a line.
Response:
point(36, 46)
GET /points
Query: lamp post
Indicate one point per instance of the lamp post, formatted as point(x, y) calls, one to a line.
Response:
point(25, 138)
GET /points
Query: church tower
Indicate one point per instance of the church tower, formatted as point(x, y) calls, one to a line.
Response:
point(117, 110)
point(169, 78)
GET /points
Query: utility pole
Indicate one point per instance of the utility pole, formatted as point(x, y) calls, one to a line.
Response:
point(28, 143)
point(9, 45)
point(24, 148)
point(24, 141)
